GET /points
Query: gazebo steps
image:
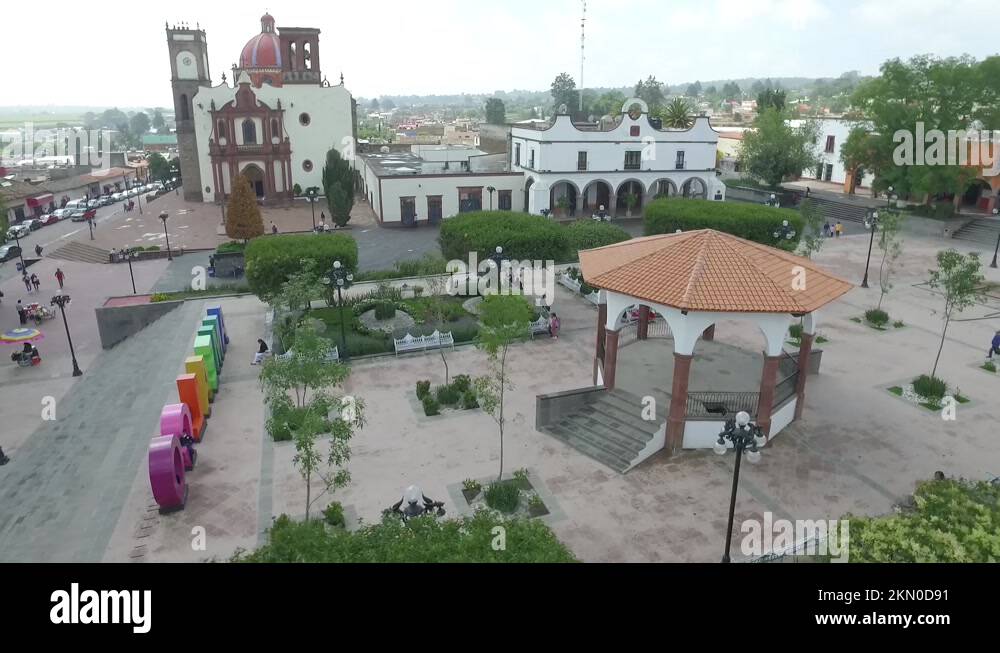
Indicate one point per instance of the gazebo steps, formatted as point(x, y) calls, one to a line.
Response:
point(610, 430)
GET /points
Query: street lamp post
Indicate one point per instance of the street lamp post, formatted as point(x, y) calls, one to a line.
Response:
point(62, 301)
point(888, 197)
point(163, 217)
point(871, 223)
point(130, 254)
point(745, 438)
point(90, 224)
point(341, 278)
point(20, 253)
point(997, 250)
point(311, 196)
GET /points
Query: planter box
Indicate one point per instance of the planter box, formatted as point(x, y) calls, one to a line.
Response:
point(569, 282)
point(594, 297)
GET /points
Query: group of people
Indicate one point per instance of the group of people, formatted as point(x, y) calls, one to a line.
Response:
point(27, 356)
point(833, 230)
point(32, 283)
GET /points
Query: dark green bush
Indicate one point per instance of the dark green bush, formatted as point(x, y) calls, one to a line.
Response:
point(588, 234)
point(749, 221)
point(469, 401)
point(795, 331)
point(428, 265)
point(503, 496)
point(877, 317)
point(431, 406)
point(461, 383)
point(447, 395)
point(930, 387)
point(423, 389)
point(269, 261)
point(334, 514)
point(286, 418)
point(231, 246)
point(522, 236)
point(385, 310)
point(153, 248)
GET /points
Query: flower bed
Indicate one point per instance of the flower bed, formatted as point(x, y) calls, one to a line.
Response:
point(457, 395)
point(515, 497)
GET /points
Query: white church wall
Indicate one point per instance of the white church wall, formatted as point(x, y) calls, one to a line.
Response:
point(420, 188)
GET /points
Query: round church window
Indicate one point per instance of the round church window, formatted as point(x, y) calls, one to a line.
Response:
point(304, 119)
point(307, 165)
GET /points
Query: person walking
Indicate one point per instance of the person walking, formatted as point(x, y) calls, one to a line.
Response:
point(554, 324)
point(826, 229)
point(22, 315)
point(60, 277)
point(839, 228)
point(26, 280)
point(35, 282)
point(994, 346)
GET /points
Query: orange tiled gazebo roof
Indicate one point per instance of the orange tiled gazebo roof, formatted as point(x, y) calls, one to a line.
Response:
point(710, 271)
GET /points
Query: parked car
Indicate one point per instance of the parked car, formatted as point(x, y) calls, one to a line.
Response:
point(49, 218)
point(33, 224)
point(83, 214)
point(62, 214)
point(76, 204)
point(8, 252)
point(105, 200)
point(18, 231)
point(117, 197)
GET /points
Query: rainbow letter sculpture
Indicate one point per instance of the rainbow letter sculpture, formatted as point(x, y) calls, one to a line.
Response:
point(166, 473)
point(187, 391)
point(203, 348)
point(220, 344)
point(175, 419)
point(196, 365)
point(217, 312)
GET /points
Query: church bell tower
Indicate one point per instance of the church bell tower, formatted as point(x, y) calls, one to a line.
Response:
point(189, 72)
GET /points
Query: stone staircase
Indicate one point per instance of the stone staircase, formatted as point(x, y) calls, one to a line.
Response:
point(983, 231)
point(833, 210)
point(610, 429)
point(80, 252)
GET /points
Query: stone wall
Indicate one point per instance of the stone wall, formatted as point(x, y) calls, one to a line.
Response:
point(116, 323)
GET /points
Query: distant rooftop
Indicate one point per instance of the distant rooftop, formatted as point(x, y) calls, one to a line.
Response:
point(434, 160)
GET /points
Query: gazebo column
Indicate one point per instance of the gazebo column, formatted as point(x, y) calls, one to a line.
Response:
point(610, 358)
point(805, 350)
point(643, 332)
point(768, 381)
point(708, 335)
point(678, 401)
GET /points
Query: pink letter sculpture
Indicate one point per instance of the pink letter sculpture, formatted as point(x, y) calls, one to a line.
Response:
point(166, 473)
point(175, 419)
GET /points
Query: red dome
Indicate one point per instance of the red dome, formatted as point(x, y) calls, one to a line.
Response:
point(263, 50)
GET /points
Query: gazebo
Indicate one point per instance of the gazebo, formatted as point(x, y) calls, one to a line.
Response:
point(692, 280)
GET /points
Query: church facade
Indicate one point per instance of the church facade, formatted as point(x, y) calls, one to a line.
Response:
point(274, 124)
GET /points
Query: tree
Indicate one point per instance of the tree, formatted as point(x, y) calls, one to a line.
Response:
point(158, 123)
point(862, 151)
point(731, 91)
point(650, 92)
point(308, 369)
point(388, 104)
point(159, 167)
point(243, 220)
point(677, 114)
point(4, 218)
point(496, 113)
point(812, 228)
point(694, 90)
point(564, 92)
point(437, 312)
point(338, 184)
point(608, 104)
point(771, 98)
point(139, 125)
point(959, 279)
point(373, 107)
point(890, 243)
point(775, 149)
point(506, 319)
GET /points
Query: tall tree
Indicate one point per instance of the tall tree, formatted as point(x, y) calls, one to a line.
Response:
point(694, 90)
point(862, 151)
point(812, 228)
point(243, 220)
point(608, 104)
point(338, 184)
point(959, 280)
point(650, 92)
point(496, 112)
point(775, 150)
point(771, 98)
point(890, 243)
point(374, 107)
point(731, 91)
point(506, 320)
point(158, 123)
point(677, 114)
point(564, 93)
point(4, 218)
point(159, 167)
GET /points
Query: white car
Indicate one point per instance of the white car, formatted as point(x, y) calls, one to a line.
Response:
point(62, 214)
point(18, 231)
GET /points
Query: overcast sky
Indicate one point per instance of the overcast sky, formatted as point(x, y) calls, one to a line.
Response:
point(76, 53)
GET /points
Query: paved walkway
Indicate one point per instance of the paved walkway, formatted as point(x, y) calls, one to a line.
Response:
point(62, 493)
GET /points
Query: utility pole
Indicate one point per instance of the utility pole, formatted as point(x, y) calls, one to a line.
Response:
point(583, 42)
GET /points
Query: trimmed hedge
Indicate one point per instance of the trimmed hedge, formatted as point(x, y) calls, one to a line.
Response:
point(588, 234)
point(523, 237)
point(269, 261)
point(750, 221)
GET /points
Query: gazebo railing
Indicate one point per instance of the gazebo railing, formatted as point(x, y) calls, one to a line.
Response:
point(785, 389)
point(721, 405)
point(629, 333)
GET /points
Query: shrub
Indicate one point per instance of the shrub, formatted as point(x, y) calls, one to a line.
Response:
point(587, 234)
point(473, 486)
point(990, 366)
point(535, 502)
point(461, 383)
point(586, 289)
point(231, 246)
point(159, 297)
point(431, 406)
point(297, 190)
point(269, 261)
point(423, 389)
point(930, 387)
point(286, 418)
point(750, 221)
point(877, 317)
point(153, 248)
point(385, 311)
point(503, 496)
point(334, 514)
point(428, 265)
point(447, 395)
point(795, 332)
point(418, 540)
point(469, 401)
point(522, 236)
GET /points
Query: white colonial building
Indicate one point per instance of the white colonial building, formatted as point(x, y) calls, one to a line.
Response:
point(833, 133)
point(576, 169)
point(274, 124)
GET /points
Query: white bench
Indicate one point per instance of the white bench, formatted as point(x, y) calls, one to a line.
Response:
point(541, 325)
point(332, 356)
point(436, 340)
point(569, 282)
